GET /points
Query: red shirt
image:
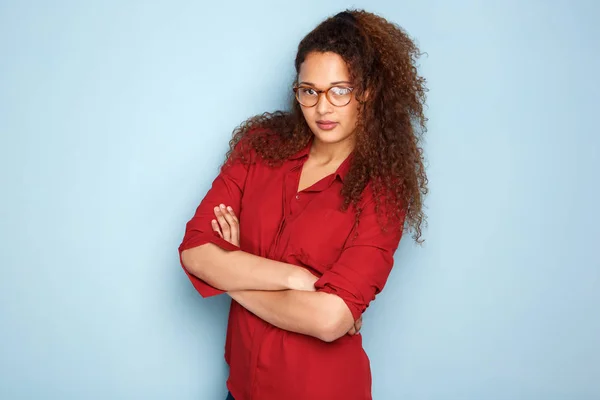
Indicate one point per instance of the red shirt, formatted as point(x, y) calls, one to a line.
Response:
point(307, 229)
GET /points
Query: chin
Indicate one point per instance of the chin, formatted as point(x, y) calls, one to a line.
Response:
point(329, 136)
point(327, 139)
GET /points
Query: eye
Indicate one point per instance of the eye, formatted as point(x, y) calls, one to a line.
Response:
point(308, 91)
point(341, 91)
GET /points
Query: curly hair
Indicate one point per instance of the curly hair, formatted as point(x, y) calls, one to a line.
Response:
point(381, 59)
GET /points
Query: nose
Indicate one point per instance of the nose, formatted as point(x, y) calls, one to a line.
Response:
point(323, 105)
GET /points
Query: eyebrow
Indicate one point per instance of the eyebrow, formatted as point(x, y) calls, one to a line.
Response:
point(333, 83)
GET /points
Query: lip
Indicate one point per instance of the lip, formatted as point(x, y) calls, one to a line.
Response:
point(326, 125)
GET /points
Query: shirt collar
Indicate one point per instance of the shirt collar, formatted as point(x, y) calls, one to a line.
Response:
point(339, 173)
point(304, 152)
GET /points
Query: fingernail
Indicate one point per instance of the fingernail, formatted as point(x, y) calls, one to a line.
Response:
point(222, 206)
point(230, 209)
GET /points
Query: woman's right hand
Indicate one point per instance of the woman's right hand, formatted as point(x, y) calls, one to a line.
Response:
point(355, 330)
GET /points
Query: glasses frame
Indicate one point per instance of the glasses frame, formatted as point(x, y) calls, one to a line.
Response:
point(320, 92)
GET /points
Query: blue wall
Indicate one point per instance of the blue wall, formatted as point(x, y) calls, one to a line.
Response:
point(114, 117)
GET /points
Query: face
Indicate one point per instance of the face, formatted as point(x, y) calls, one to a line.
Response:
point(329, 123)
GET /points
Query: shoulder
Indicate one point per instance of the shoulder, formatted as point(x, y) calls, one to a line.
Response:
point(243, 146)
point(380, 205)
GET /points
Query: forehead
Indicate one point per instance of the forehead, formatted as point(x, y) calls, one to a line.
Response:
point(323, 68)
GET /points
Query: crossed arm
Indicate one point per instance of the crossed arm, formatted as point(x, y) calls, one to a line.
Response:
point(279, 293)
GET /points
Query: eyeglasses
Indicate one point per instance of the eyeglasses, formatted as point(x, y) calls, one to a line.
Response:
point(338, 96)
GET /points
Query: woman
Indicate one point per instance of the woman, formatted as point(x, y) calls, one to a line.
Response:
point(301, 224)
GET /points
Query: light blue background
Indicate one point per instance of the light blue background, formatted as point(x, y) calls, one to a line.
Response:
point(114, 118)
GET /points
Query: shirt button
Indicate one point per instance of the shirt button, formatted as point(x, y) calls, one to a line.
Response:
point(297, 197)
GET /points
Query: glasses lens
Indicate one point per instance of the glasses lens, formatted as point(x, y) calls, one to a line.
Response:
point(307, 97)
point(339, 95)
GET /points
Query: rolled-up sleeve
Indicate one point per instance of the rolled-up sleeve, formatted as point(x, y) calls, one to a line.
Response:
point(364, 265)
point(227, 188)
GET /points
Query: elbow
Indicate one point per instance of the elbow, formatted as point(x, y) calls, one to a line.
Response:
point(336, 323)
point(329, 336)
point(196, 260)
point(203, 263)
point(332, 332)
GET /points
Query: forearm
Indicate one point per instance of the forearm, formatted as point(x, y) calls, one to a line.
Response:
point(238, 270)
point(321, 315)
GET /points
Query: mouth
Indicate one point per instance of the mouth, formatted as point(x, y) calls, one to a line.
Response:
point(326, 125)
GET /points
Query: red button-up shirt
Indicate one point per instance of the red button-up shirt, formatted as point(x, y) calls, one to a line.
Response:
point(307, 229)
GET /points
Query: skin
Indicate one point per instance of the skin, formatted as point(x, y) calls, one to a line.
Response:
point(279, 293)
point(330, 148)
point(227, 225)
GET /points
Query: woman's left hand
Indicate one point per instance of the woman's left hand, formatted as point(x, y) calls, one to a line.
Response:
point(227, 224)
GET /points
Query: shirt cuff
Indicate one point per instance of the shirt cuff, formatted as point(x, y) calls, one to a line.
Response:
point(338, 285)
point(199, 239)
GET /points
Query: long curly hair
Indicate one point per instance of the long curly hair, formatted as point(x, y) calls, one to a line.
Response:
point(381, 59)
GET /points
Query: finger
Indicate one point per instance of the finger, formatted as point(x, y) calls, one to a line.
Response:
point(215, 226)
point(352, 331)
point(358, 325)
point(230, 220)
point(230, 209)
point(223, 224)
point(233, 224)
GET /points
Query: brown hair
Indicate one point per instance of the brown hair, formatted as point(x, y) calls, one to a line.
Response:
point(381, 59)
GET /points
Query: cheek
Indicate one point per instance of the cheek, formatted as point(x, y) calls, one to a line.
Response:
point(307, 112)
point(350, 116)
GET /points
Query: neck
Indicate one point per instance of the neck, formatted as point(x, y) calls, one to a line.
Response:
point(325, 153)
